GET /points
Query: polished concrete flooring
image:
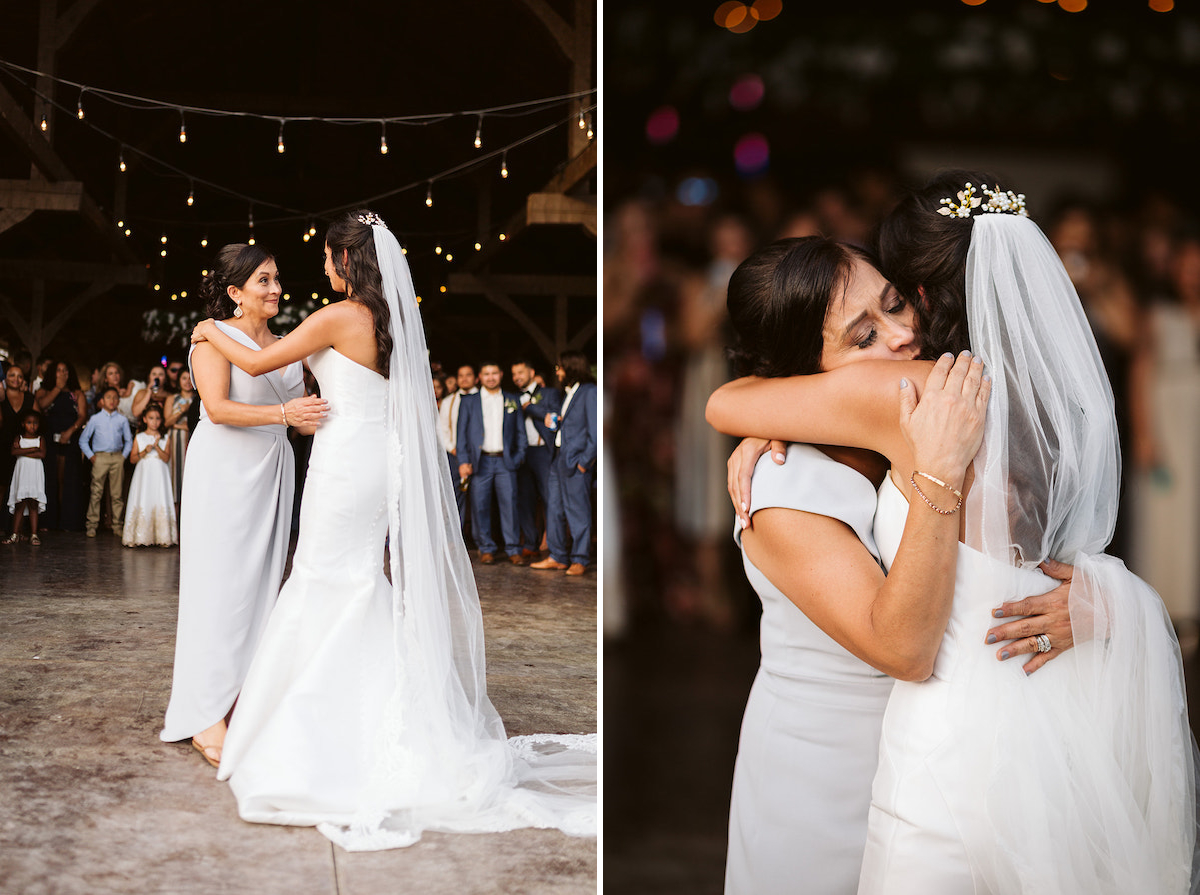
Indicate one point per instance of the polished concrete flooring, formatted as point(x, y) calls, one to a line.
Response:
point(673, 702)
point(92, 802)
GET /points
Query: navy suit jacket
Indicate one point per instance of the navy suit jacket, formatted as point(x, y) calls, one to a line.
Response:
point(470, 430)
point(578, 427)
point(543, 401)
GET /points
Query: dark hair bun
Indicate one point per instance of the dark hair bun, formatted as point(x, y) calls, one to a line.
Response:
point(234, 265)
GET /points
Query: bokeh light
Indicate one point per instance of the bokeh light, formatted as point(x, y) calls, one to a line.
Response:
point(746, 93)
point(730, 14)
point(663, 125)
point(697, 191)
point(974, 2)
point(752, 154)
point(1073, 5)
point(1162, 5)
point(766, 10)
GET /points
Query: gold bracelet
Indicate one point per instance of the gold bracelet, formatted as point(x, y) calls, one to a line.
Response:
point(283, 410)
point(938, 481)
point(912, 480)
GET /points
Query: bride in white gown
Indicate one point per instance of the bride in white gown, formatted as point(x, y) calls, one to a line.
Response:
point(1078, 778)
point(365, 710)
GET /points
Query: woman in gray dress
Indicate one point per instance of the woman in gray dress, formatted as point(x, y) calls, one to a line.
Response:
point(239, 476)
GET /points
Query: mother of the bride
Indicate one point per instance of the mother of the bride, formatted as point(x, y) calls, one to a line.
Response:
point(236, 505)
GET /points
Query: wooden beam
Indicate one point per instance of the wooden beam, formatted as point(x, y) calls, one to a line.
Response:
point(39, 195)
point(72, 18)
point(575, 170)
point(555, 208)
point(9, 218)
point(560, 31)
point(73, 272)
point(544, 343)
point(521, 284)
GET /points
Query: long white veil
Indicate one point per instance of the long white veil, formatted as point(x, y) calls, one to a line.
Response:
point(443, 761)
point(1088, 785)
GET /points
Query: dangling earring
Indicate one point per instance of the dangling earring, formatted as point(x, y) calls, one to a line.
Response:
point(237, 311)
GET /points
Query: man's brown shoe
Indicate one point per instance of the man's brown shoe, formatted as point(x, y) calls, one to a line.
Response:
point(487, 559)
point(549, 563)
point(576, 568)
point(517, 560)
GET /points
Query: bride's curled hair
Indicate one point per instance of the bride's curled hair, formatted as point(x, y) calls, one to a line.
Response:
point(234, 265)
point(778, 299)
point(354, 240)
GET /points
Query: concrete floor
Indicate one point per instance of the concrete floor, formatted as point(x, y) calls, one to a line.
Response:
point(92, 802)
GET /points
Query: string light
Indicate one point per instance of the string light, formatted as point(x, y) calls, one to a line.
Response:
point(479, 133)
point(182, 128)
point(582, 120)
point(121, 159)
point(441, 288)
point(429, 195)
point(590, 133)
point(478, 246)
point(204, 245)
point(183, 293)
point(250, 241)
point(79, 106)
point(163, 240)
point(279, 147)
point(120, 224)
point(503, 237)
point(163, 253)
point(128, 231)
point(437, 250)
point(45, 124)
point(157, 287)
point(449, 256)
point(403, 250)
point(191, 199)
point(383, 138)
point(504, 164)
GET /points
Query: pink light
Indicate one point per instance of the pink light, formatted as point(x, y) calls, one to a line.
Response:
point(746, 93)
point(752, 154)
point(662, 125)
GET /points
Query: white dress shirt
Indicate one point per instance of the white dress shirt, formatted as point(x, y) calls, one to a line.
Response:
point(448, 419)
point(570, 393)
point(531, 433)
point(493, 420)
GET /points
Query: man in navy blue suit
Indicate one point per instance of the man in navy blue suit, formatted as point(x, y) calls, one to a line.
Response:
point(572, 469)
point(533, 478)
point(491, 447)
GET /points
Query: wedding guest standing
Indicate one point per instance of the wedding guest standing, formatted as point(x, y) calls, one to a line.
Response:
point(572, 469)
point(150, 512)
point(491, 447)
point(177, 417)
point(464, 384)
point(13, 406)
point(533, 478)
point(106, 442)
point(63, 403)
point(27, 493)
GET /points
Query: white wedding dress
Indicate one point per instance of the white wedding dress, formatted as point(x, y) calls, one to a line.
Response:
point(150, 507)
point(365, 711)
point(810, 736)
point(1079, 777)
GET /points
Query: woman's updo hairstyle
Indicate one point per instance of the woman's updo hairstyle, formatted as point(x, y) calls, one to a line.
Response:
point(923, 249)
point(350, 237)
point(778, 299)
point(235, 264)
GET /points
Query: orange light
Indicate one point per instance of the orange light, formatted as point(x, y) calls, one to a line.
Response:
point(747, 22)
point(726, 10)
point(767, 9)
point(1162, 5)
point(974, 2)
point(1073, 5)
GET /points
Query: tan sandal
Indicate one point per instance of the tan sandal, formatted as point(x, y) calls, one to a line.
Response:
point(35, 540)
point(203, 750)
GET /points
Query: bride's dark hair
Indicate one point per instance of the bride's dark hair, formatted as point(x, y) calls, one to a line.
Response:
point(234, 265)
point(778, 299)
point(922, 249)
point(364, 284)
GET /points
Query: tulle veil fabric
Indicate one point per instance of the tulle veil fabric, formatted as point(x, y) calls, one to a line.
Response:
point(443, 760)
point(1089, 785)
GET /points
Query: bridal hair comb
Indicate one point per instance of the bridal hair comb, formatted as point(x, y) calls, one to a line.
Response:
point(371, 219)
point(999, 202)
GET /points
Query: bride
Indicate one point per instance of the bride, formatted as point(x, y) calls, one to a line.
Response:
point(365, 711)
point(1078, 778)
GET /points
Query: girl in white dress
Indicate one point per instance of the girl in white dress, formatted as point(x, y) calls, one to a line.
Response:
point(1076, 779)
point(365, 711)
point(27, 492)
point(230, 559)
point(150, 507)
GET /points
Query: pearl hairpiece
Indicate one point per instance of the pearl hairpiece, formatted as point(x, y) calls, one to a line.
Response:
point(999, 202)
point(371, 218)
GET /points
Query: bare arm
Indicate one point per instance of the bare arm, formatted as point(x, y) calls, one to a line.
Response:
point(345, 326)
point(212, 380)
point(140, 400)
point(177, 410)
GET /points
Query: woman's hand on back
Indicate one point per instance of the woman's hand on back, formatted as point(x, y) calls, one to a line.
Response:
point(199, 333)
point(944, 429)
point(740, 467)
point(307, 412)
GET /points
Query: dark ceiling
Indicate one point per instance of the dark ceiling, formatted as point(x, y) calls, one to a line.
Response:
point(279, 59)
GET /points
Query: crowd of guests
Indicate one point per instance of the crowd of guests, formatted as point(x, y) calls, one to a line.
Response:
point(524, 457)
point(111, 456)
point(1135, 264)
point(107, 455)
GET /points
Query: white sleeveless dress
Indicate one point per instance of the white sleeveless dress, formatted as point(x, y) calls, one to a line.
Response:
point(150, 507)
point(810, 735)
point(923, 796)
point(235, 521)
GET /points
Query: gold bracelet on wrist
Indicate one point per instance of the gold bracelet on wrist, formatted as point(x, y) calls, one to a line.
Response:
point(912, 480)
point(283, 410)
point(939, 482)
